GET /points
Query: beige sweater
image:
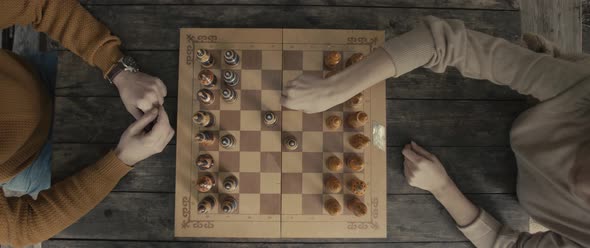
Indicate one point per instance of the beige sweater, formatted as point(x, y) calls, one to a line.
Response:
point(548, 139)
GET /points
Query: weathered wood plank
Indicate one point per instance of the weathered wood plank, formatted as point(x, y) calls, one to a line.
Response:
point(411, 218)
point(76, 78)
point(474, 169)
point(429, 122)
point(155, 27)
point(463, 4)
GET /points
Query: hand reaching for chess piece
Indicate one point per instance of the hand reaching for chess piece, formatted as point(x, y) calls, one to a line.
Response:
point(140, 92)
point(312, 94)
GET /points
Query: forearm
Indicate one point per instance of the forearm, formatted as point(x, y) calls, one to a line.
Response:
point(463, 211)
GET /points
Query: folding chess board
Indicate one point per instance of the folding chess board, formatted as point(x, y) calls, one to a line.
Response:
point(280, 192)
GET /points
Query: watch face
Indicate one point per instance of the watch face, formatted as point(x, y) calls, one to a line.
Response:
point(129, 62)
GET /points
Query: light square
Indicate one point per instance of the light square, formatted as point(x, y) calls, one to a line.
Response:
point(270, 183)
point(236, 105)
point(292, 162)
point(251, 80)
point(250, 120)
point(271, 100)
point(222, 176)
point(313, 183)
point(292, 120)
point(313, 141)
point(270, 141)
point(249, 204)
point(236, 146)
point(226, 66)
point(313, 60)
point(249, 162)
point(272, 60)
point(291, 204)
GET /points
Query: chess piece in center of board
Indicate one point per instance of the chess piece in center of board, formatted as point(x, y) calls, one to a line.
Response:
point(205, 183)
point(357, 207)
point(206, 205)
point(206, 96)
point(203, 119)
point(290, 143)
point(229, 204)
point(231, 78)
point(207, 78)
point(204, 162)
point(231, 58)
point(332, 59)
point(230, 183)
point(205, 138)
point(229, 94)
point(227, 141)
point(270, 118)
point(205, 58)
point(359, 141)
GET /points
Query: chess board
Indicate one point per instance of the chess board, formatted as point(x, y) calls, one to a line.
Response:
point(280, 192)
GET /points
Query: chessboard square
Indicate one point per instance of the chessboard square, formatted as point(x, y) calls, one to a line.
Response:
point(289, 76)
point(270, 204)
point(312, 204)
point(212, 147)
point(291, 203)
point(333, 142)
point(272, 80)
point(214, 155)
point(292, 183)
point(348, 156)
point(292, 120)
point(250, 120)
point(312, 183)
point(313, 161)
point(313, 60)
point(211, 174)
point(348, 127)
point(251, 80)
point(251, 59)
point(326, 115)
point(216, 54)
point(251, 99)
point(312, 141)
point(271, 100)
point(229, 120)
point(347, 147)
point(272, 60)
point(292, 162)
point(276, 126)
point(270, 162)
point(215, 126)
point(202, 196)
point(330, 154)
point(270, 141)
point(249, 203)
point(235, 134)
point(222, 177)
point(234, 67)
point(338, 66)
point(250, 141)
point(313, 122)
point(222, 198)
point(249, 182)
point(340, 178)
point(229, 161)
point(298, 137)
point(212, 106)
point(292, 60)
point(235, 105)
point(249, 161)
point(336, 108)
point(348, 198)
point(239, 76)
point(347, 178)
point(270, 183)
point(338, 197)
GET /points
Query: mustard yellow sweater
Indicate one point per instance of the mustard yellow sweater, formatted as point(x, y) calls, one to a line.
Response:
point(25, 118)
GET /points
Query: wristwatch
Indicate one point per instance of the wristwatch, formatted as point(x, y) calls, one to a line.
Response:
point(126, 63)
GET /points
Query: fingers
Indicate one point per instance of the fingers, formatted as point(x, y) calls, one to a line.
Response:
point(411, 155)
point(134, 111)
point(422, 152)
point(162, 87)
point(162, 128)
point(143, 121)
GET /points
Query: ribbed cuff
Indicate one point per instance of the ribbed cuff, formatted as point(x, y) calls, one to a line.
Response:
point(111, 167)
point(483, 229)
point(107, 56)
point(410, 50)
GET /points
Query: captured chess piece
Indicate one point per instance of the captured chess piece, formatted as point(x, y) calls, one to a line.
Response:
point(204, 162)
point(334, 163)
point(333, 207)
point(332, 185)
point(227, 141)
point(229, 95)
point(354, 59)
point(205, 96)
point(231, 78)
point(205, 58)
point(270, 118)
point(359, 141)
point(205, 138)
point(231, 58)
point(357, 186)
point(355, 101)
point(357, 119)
point(332, 59)
point(230, 183)
point(205, 183)
point(207, 78)
point(206, 205)
point(355, 163)
point(203, 119)
point(333, 122)
point(357, 207)
point(290, 143)
point(229, 204)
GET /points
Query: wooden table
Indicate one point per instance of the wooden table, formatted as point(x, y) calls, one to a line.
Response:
point(466, 122)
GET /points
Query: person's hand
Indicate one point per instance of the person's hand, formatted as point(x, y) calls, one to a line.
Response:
point(312, 94)
point(423, 170)
point(136, 144)
point(140, 92)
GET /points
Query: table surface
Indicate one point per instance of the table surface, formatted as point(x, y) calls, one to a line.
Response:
point(465, 122)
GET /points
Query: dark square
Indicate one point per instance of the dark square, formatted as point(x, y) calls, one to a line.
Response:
point(270, 162)
point(298, 136)
point(339, 66)
point(222, 198)
point(313, 161)
point(216, 54)
point(212, 147)
point(347, 127)
point(270, 204)
point(251, 59)
point(250, 141)
point(223, 85)
point(212, 106)
point(347, 156)
point(272, 80)
point(292, 60)
point(291, 183)
point(214, 189)
point(313, 122)
point(275, 127)
point(229, 161)
point(229, 119)
point(251, 99)
point(249, 182)
point(312, 203)
point(333, 142)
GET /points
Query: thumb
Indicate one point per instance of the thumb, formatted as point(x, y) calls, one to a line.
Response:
point(135, 112)
point(142, 122)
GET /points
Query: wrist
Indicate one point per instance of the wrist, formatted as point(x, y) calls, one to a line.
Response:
point(444, 189)
point(119, 154)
